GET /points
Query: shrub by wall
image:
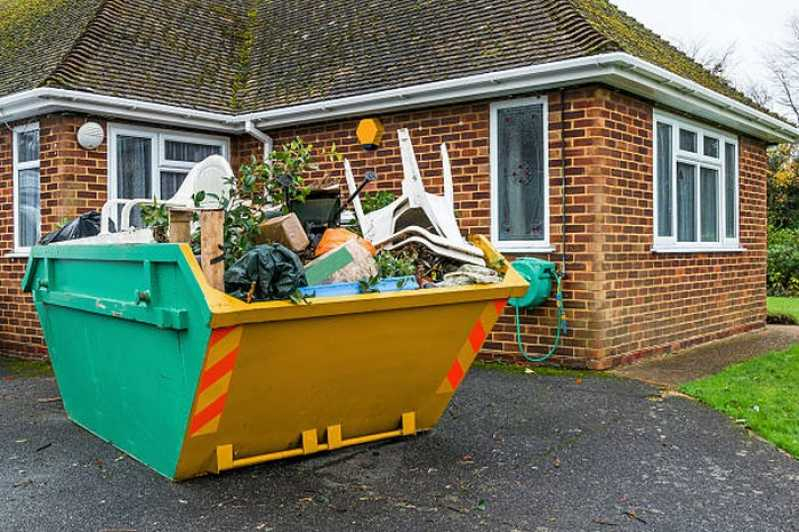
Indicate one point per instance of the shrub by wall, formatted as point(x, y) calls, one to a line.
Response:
point(783, 262)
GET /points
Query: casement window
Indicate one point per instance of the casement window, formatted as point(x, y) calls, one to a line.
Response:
point(519, 175)
point(147, 163)
point(695, 187)
point(27, 195)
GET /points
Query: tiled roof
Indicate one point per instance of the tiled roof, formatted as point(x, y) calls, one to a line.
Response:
point(252, 55)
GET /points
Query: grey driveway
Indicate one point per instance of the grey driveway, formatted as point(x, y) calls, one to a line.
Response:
point(514, 452)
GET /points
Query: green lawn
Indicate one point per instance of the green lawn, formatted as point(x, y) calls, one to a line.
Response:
point(784, 307)
point(762, 394)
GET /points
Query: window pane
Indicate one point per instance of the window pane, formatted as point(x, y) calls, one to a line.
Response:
point(686, 202)
point(730, 179)
point(709, 195)
point(687, 140)
point(134, 170)
point(189, 152)
point(664, 158)
point(28, 207)
point(170, 183)
point(521, 173)
point(712, 147)
point(28, 146)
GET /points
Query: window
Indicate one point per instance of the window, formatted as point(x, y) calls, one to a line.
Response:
point(696, 187)
point(519, 175)
point(146, 163)
point(27, 215)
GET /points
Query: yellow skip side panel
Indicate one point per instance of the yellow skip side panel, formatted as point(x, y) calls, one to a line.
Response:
point(360, 371)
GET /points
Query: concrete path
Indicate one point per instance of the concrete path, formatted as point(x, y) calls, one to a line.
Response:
point(674, 370)
point(514, 452)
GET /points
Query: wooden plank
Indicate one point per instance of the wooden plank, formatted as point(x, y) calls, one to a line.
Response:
point(212, 237)
point(180, 226)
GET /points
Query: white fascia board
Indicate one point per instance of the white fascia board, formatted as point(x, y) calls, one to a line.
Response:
point(44, 100)
point(482, 86)
point(616, 69)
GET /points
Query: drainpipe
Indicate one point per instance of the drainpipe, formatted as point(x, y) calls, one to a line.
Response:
point(267, 141)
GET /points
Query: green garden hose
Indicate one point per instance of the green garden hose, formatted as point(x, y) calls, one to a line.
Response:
point(561, 313)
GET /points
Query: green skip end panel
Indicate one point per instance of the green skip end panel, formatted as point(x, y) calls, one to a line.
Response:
point(127, 328)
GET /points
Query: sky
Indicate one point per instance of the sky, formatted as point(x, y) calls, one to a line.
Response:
point(755, 26)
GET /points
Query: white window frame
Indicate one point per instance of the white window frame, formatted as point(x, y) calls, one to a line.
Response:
point(158, 138)
point(699, 160)
point(518, 246)
point(17, 168)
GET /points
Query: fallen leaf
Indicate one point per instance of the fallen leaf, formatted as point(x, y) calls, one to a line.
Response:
point(481, 505)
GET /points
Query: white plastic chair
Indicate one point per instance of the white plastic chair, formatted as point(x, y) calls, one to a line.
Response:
point(208, 175)
point(415, 207)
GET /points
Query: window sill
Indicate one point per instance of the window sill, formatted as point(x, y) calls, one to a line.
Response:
point(688, 249)
point(515, 250)
point(18, 254)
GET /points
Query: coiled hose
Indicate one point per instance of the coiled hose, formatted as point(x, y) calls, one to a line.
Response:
point(562, 326)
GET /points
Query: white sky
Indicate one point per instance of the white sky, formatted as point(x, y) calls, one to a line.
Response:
point(754, 25)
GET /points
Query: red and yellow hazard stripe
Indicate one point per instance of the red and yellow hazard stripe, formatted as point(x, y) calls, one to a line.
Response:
point(474, 341)
point(220, 359)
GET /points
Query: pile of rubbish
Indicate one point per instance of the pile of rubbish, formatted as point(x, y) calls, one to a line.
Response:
point(322, 246)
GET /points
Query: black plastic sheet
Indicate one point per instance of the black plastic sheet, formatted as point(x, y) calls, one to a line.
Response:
point(265, 272)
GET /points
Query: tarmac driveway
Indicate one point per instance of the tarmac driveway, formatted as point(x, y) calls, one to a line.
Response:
point(514, 452)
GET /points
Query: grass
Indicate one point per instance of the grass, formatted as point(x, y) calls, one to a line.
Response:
point(24, 368)
point(762, 394)
point(783, 310)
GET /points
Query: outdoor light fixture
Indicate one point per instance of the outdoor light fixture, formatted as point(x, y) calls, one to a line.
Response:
point(369, 133)
point(90, 135)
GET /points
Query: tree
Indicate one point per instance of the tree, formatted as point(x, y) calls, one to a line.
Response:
point(719, 61)
point(784, 65)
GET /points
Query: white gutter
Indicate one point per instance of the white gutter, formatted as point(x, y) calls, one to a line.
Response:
point(45, 100)
point(615, 69)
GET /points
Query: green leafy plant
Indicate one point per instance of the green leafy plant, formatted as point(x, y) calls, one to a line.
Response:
point(373, 201)
point(783, 262)
point(394, 264)
point(259, 186)
point(369, 284)
point(156, 217)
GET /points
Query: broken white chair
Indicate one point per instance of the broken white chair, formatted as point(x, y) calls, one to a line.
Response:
point(416, 216)
point(208, 176)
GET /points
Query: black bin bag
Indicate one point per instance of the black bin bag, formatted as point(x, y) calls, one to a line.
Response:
point(265, 272)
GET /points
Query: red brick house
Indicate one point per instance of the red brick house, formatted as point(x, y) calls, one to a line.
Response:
point(575, 134)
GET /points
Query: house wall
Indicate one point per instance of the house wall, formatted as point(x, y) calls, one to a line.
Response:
point(73, 181)
point(623, 302)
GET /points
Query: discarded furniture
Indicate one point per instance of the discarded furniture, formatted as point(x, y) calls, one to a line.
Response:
point(206, 176)
point(429, 217)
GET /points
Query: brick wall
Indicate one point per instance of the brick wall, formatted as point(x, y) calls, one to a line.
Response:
point(657, 303)
point(623, 301)
point(72, 181)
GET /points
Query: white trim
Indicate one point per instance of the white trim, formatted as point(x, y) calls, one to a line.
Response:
point(157, 137)
point(667, 244)
point(698, 249)
point(17, 167)
point(616, 69)
point(532, 246)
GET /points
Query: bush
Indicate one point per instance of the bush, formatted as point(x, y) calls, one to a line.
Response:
point(783, 262)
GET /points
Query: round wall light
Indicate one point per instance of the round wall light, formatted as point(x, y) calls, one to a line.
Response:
point(90, 135)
